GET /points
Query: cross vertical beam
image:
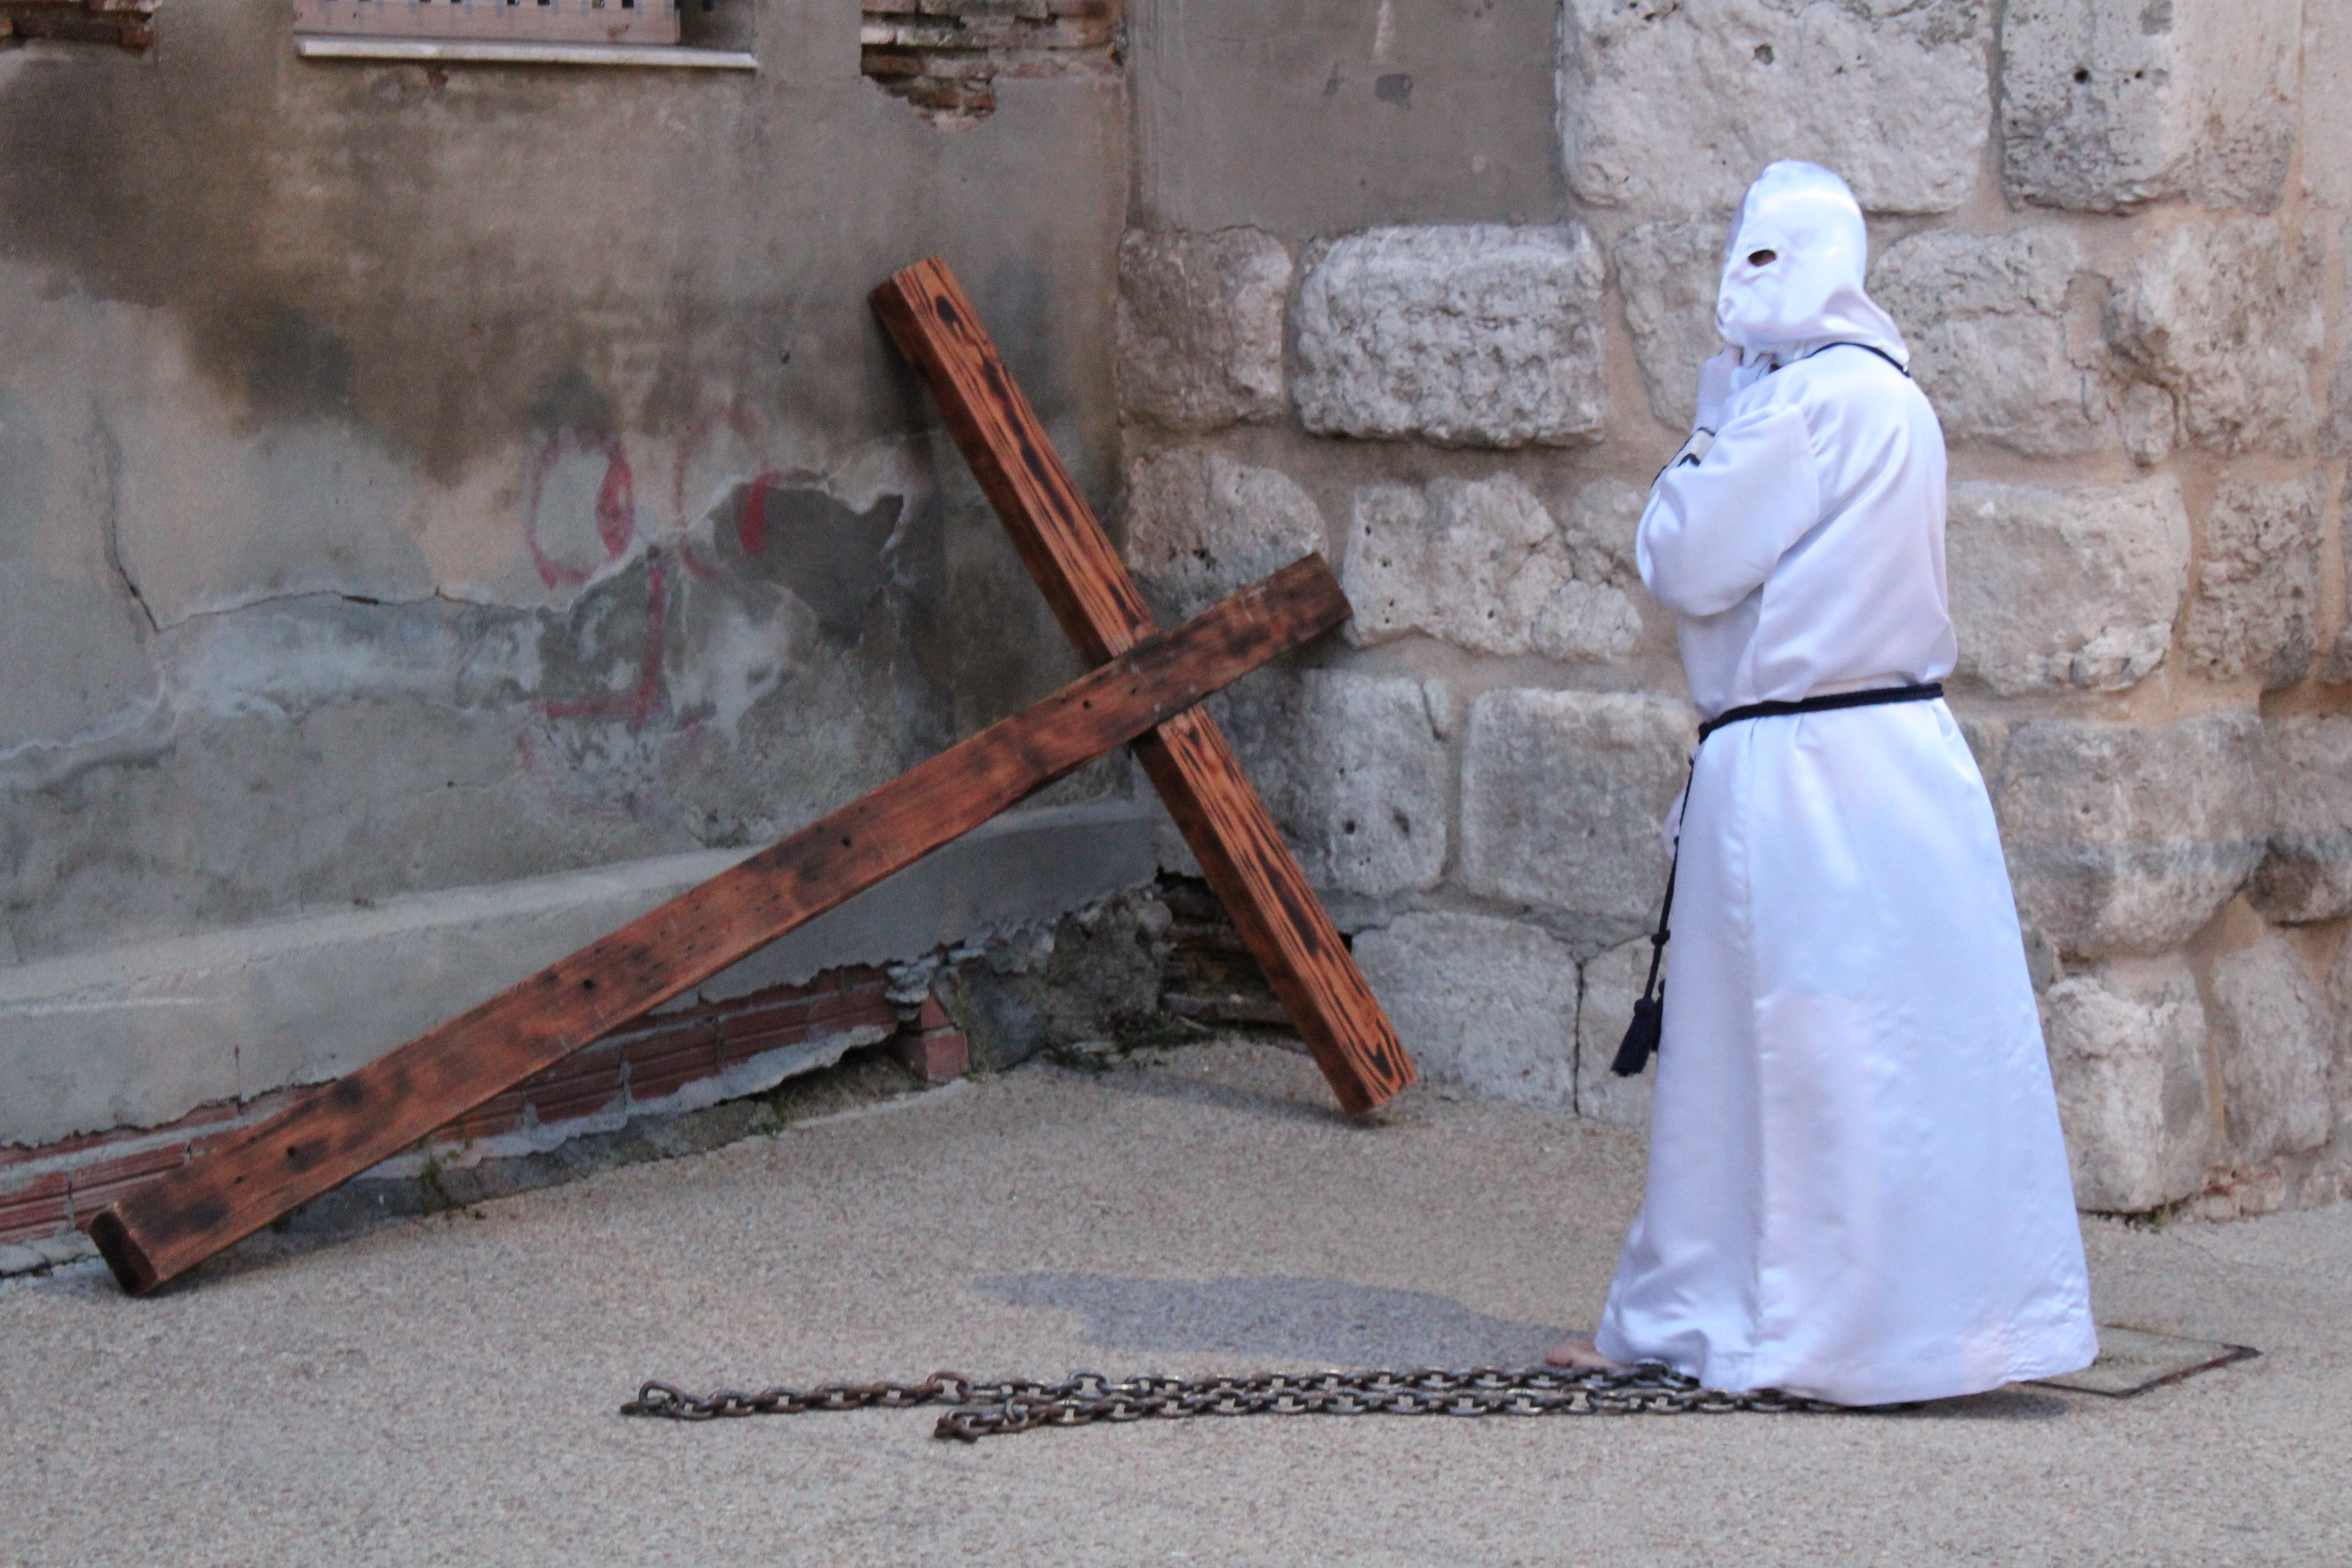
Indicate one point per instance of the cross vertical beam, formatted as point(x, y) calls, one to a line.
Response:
point(1187, 757)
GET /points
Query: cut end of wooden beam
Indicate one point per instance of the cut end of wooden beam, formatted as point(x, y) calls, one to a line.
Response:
point(123, 1255)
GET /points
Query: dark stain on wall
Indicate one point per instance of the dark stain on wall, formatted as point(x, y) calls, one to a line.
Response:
point(833, 559)
point(334, 243)
point(568, 400)
point(295, 368)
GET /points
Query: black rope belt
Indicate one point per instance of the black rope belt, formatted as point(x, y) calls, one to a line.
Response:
point(1649, 1013)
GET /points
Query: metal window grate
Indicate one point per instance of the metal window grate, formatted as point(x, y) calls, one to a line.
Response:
point(633, 22)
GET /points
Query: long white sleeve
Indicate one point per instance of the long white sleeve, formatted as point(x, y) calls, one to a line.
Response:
point(1715, 529)
point(1804, 550)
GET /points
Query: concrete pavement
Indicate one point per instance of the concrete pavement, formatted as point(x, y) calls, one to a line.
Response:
point(442, 1389)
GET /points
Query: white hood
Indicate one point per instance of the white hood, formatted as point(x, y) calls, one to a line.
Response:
point(1810, 293)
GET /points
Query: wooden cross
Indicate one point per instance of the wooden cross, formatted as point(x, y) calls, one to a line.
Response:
point(1144, 689)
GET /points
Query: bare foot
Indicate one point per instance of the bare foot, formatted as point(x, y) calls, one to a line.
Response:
point(1577, 1354)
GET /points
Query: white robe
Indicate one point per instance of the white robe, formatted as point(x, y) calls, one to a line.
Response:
point(1857, 1189)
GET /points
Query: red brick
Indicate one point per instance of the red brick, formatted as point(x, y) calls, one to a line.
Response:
point(499, 1113)
point(584, 1096)
point(601, 1059)
point(667, 1066)
point(94, 1185)
point(40, 1207)
point(748, 1036)
point(863, 1004)
point(670, 1037)
point(936, 1055)
point(792, 1008)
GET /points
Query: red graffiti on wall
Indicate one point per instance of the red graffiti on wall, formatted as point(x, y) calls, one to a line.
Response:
point(616, 518)
point(615, 507)
point(617, 531)
point(752, 519)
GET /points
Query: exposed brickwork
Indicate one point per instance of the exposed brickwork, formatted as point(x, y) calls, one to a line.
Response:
point(944, 55)
point(45, 1190)
point(34, 1206)
point(127, 23)
point(931, 1044)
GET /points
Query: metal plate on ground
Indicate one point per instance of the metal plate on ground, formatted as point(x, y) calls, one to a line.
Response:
point(2133, 1360)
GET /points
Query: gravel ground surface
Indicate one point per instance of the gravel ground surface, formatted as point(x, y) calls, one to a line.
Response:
point(443, 1390)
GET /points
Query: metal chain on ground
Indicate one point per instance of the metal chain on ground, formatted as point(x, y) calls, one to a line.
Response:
point(994, 1409)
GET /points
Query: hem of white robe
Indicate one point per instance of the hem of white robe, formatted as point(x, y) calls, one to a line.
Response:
point(2051, 1350)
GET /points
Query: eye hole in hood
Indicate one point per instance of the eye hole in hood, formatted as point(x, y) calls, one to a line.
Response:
point(1794, 267)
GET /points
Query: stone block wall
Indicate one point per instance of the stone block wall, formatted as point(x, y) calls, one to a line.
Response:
point(2116, 236)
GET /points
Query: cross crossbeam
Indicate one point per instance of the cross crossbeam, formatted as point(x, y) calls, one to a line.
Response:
point(167, 1228)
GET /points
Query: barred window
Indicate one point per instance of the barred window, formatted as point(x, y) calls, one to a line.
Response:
point(619, 32)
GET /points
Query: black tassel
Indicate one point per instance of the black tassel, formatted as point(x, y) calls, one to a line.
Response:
point(1640, 1039)
point(1643, 1034)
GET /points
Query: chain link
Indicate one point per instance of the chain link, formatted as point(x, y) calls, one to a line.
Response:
point(994, 1409)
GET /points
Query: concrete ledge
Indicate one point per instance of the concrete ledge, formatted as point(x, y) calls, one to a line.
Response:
point(140, 1036)
point(318, 47)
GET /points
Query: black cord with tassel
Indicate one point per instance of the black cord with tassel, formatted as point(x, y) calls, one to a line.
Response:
point(1649, 1013)
point(1641, 1040)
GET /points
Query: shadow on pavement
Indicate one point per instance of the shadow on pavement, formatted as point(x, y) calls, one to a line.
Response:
point(1296, 1323)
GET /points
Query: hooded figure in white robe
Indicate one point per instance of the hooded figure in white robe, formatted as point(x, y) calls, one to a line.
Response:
point(1857, 1189)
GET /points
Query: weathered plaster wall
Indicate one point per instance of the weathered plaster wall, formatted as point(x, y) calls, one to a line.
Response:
point(422, 484)
point(1424, 283)
point(414, 478)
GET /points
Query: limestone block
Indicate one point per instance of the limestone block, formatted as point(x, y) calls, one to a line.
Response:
point(2226, 317)
point(1669, 273)
point(2270, 1031)
point(1612, 983)
point(1201, 526)
point(2058, 588)
point(1485, 1003)
point(1354, 772)
point(2327, 101)
point(1669, 106)
point(1200, 327)
point(2336, 435)
point(2337, 668)
point(1561, 796)
point(2151, 422)
point(1987, 321)
point(2125, 839)
point(2307, 874)
point(1482, 565)
point(2338, 995)
point(1474, 336)
point(2257, 608)
point(2107, 104)
point(2127, 1057)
